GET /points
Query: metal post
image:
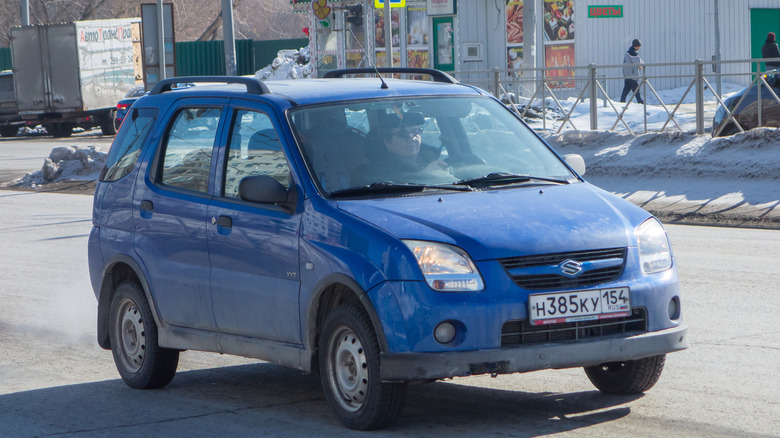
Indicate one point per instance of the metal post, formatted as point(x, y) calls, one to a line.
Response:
point(699, 97)
point(228, 38)
point(24, 12)
point(497, 83)
point(161, 39)
point(759, 102)
point(594, 96)
point(717, 66)
point(388, 34)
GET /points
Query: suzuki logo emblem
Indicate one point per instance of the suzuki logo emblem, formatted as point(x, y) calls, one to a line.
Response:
point(570, 268)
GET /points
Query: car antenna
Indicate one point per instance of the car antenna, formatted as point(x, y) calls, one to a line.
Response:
point(371, 64)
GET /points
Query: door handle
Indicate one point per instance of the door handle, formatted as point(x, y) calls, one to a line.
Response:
point(147, 205)
point(223, 221)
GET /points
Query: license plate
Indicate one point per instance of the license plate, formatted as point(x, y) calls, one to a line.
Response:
point(578, 306)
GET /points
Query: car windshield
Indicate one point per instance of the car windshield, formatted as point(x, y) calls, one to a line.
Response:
point(136, 91)
point(419, 143)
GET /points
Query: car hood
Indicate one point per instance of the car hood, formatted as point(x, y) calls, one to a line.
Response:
point(510, 221)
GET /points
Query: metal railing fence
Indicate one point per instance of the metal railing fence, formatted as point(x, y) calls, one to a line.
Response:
point(685, 93)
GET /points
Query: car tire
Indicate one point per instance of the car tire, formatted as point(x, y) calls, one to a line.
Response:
point(141, 362)
point(108, 123)
point(59, 130)
point(9, 130)
point(629, 377)
point(349, 369)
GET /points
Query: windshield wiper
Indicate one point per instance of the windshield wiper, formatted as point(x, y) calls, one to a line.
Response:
point(386, 187)
point(504, 178)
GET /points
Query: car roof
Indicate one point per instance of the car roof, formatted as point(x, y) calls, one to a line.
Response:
point(325, 90)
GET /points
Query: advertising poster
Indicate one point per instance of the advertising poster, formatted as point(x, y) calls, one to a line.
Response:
point(381, 59)
point(514, 57)
point(514, 34)
point(558, 20)
point(379, 28)
point(417, 26)
point(417, 58)
point(514, 21)
point(560, 55)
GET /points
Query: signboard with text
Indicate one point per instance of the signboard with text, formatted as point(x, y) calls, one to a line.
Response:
point(605, 11)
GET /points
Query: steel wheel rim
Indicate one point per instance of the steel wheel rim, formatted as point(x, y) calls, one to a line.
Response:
point(347, 369)
point(131, 335)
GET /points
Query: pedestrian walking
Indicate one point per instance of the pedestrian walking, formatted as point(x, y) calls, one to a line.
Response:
point(770, 50)
point(632, 63)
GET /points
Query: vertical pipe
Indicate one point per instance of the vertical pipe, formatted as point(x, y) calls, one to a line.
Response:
point(388, 34)
point(717, 66)
point(529, 35)
point(594, 104)
point(699, 97)
point(161, 39)
point(228, 38)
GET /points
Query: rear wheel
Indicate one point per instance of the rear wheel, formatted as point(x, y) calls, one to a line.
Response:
point(9, 130)
point(141, 362)
point(349, 369)
point(629, 377)
point(59, 130)
point(108, 123)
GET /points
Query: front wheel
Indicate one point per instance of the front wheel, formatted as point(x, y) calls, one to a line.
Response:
point(9, 130)
point(133, 333)
point(629, 377)
point(349, 369)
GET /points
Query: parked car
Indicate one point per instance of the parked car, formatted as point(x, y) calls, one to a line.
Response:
point(376, 231)
point(124, 105)
point(746, 114)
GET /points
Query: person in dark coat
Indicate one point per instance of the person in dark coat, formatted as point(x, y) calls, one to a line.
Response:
point(396, 154)
point(632, 63)
point(770, 50)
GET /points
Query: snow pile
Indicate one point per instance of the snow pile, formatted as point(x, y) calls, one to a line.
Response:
point(289, 64)
point(66, 163)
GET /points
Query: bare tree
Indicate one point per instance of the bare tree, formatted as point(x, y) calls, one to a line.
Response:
point(193, 19)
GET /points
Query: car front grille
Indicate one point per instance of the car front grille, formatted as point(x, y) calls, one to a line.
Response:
point(525, 271)
point(521, 332)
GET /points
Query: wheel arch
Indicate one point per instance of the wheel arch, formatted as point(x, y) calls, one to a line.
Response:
point(331, 292)
point(118, 269)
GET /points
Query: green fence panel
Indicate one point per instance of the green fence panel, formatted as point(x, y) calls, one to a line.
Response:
point(208, 57)
point(5, 58)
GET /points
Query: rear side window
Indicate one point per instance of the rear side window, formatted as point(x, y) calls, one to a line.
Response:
point(186, 162)
point(126, 148)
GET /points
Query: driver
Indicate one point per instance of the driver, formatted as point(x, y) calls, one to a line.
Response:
point(396, 154)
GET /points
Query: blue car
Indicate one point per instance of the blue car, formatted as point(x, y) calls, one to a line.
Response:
point(374, 230)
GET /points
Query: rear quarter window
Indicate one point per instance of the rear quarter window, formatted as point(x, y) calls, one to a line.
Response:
point(126, 147)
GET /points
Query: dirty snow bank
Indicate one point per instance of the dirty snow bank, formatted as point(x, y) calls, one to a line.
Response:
point(685, 177)
point(66, 163)
point(288, 64)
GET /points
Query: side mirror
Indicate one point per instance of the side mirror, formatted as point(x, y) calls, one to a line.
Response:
point(263, 189)
point(576, 162)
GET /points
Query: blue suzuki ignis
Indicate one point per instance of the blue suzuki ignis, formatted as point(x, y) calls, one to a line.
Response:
point(377, 231)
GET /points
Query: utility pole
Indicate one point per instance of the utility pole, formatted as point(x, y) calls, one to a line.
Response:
point(228, 37)
point(24, 9)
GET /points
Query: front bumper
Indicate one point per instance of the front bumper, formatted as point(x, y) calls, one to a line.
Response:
point(431, 366)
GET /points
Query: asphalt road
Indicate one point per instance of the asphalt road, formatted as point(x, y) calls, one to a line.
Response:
point(56, 382)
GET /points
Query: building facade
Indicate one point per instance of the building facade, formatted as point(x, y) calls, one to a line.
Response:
point(471, 36)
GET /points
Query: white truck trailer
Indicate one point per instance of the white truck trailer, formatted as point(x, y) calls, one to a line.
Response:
point(72, 74)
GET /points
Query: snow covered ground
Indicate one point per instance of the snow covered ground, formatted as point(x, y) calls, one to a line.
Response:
point(677, 175)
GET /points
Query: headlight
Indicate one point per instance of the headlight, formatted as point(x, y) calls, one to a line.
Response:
point(446, 268)
point(655, 254)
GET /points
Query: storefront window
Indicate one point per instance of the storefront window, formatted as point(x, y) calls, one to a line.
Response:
point(355, 37)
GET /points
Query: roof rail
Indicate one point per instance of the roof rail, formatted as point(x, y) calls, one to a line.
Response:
point(253, 85)
point(436, 75)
